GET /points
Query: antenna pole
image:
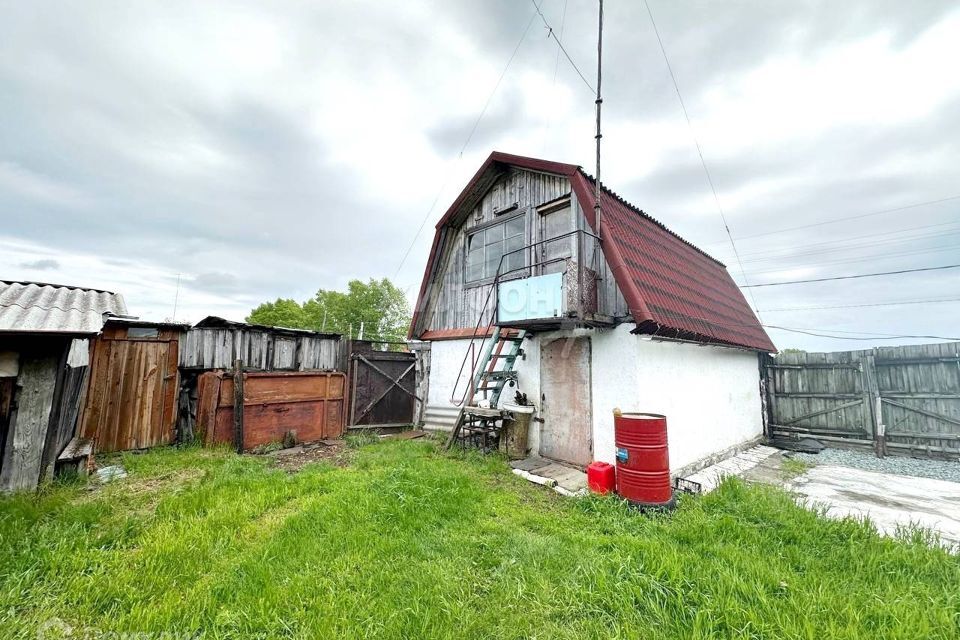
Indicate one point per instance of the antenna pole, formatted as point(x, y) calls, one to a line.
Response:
point(176, 299)
point(599, 101)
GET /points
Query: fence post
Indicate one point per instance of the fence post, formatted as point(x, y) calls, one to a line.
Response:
point(872, 409)
point(238, 405)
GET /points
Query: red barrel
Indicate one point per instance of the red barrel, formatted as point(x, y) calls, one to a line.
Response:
point(643, 463)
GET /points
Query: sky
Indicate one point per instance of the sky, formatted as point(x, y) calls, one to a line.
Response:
point(250, 151)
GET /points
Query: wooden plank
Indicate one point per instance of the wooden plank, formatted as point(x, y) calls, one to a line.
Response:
point(931, 414)
point(820, 412)
point(29, 423)
point(238, 405)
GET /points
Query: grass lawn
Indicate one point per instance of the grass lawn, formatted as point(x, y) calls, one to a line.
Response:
point(408, 542)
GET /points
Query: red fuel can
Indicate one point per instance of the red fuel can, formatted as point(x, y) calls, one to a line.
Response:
point(643, 461)
point(601, 477)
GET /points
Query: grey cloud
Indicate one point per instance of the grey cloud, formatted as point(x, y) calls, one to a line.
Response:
point(46, 264)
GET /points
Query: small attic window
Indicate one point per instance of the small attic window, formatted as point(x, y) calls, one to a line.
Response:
point(142, 332)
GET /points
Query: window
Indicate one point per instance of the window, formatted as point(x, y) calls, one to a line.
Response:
point(487, 246)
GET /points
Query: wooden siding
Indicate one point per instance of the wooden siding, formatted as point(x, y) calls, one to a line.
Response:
point(457, 305)
point(131, 401)
point(905, 398)
point(217, 348)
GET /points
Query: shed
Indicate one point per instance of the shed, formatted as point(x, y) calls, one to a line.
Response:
point(44, 330)
point(520, 294)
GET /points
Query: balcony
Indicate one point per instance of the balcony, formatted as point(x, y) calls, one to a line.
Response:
point(557, 289)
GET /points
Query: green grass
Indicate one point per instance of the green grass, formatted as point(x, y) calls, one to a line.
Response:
point(790, 468)
point(408, 542)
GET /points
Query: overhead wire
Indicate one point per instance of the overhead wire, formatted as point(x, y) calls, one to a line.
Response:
point(892, 303)
point(696, 142)
point(860, 275)
point(843, 219)
point(466, 142)
point(552, 34)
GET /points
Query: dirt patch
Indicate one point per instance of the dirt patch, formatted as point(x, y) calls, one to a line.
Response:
point(296, 458)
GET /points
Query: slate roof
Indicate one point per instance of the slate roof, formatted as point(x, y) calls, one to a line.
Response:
point(37, 307)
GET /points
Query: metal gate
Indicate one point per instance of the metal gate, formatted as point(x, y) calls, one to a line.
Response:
point(898, 399)
point(382, 388)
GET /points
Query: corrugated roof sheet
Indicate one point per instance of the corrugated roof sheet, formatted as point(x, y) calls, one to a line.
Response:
point(36, 307)
point(671, 287)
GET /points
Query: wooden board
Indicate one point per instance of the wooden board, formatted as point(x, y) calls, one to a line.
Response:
point(28, 423)
point(132, 397)
point(566, 403)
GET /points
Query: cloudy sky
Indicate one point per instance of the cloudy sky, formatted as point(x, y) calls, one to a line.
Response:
point(257, 150)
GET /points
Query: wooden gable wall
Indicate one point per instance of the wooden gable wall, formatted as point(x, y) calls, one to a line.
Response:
point(453, 304)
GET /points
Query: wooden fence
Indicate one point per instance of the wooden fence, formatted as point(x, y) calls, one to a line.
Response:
point(383, 387)
point(902, 400)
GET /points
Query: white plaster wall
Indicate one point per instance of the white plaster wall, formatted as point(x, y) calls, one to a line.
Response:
point(710, 395)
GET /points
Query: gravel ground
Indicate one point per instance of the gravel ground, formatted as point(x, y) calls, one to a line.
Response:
point(936, 469)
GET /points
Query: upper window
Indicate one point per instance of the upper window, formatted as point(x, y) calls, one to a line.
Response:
point(486, 247)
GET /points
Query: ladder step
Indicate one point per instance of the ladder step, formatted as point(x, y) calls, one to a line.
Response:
point(500, 375)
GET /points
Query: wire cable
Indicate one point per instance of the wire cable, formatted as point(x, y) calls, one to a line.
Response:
point(696, 142)
point(466, 142)
point(845, 218)
point(866, 304)
point(860, 275)
point(551, 34)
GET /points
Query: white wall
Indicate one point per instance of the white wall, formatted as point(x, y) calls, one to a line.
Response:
point(710, 395)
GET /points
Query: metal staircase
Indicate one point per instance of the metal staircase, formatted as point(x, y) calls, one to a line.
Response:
point(494, 371)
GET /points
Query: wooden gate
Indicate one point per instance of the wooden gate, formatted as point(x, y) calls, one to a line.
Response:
point(902, 399)
point(382, 388)
point(132, 392)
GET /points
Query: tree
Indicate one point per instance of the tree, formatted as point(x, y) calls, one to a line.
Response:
point(282, 313)
point(376, 306)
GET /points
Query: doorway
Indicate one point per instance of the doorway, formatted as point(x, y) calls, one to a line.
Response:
point(566, 401)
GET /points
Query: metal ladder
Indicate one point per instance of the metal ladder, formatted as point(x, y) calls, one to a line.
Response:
point(495, 370)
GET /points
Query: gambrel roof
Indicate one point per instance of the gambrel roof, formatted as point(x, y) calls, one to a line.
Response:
point(672, 288)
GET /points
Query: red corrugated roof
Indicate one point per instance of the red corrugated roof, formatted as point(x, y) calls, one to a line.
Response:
point(671, 287)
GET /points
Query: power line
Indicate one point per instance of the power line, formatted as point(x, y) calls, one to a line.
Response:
point(846, 218)
point(866, 304)
point(861, 275)
point(878, 336)
point(870, 240)
point(696, 142)
point(466, 142)
point(869, 258)
point(551, 34)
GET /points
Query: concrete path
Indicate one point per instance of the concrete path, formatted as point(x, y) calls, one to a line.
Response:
point(890, 501)
point(710, 477)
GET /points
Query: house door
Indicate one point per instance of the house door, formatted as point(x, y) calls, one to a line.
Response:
point(566, 403)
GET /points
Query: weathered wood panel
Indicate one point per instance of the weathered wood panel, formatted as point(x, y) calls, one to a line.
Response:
point(132, 397)
point(217, 348)
point(383, 388)
point(309, 404)
point(915, 388)
point(454, 304)
point(29, 420)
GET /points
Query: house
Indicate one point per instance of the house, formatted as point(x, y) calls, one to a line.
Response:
point(44, 358)
point(519, 291)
